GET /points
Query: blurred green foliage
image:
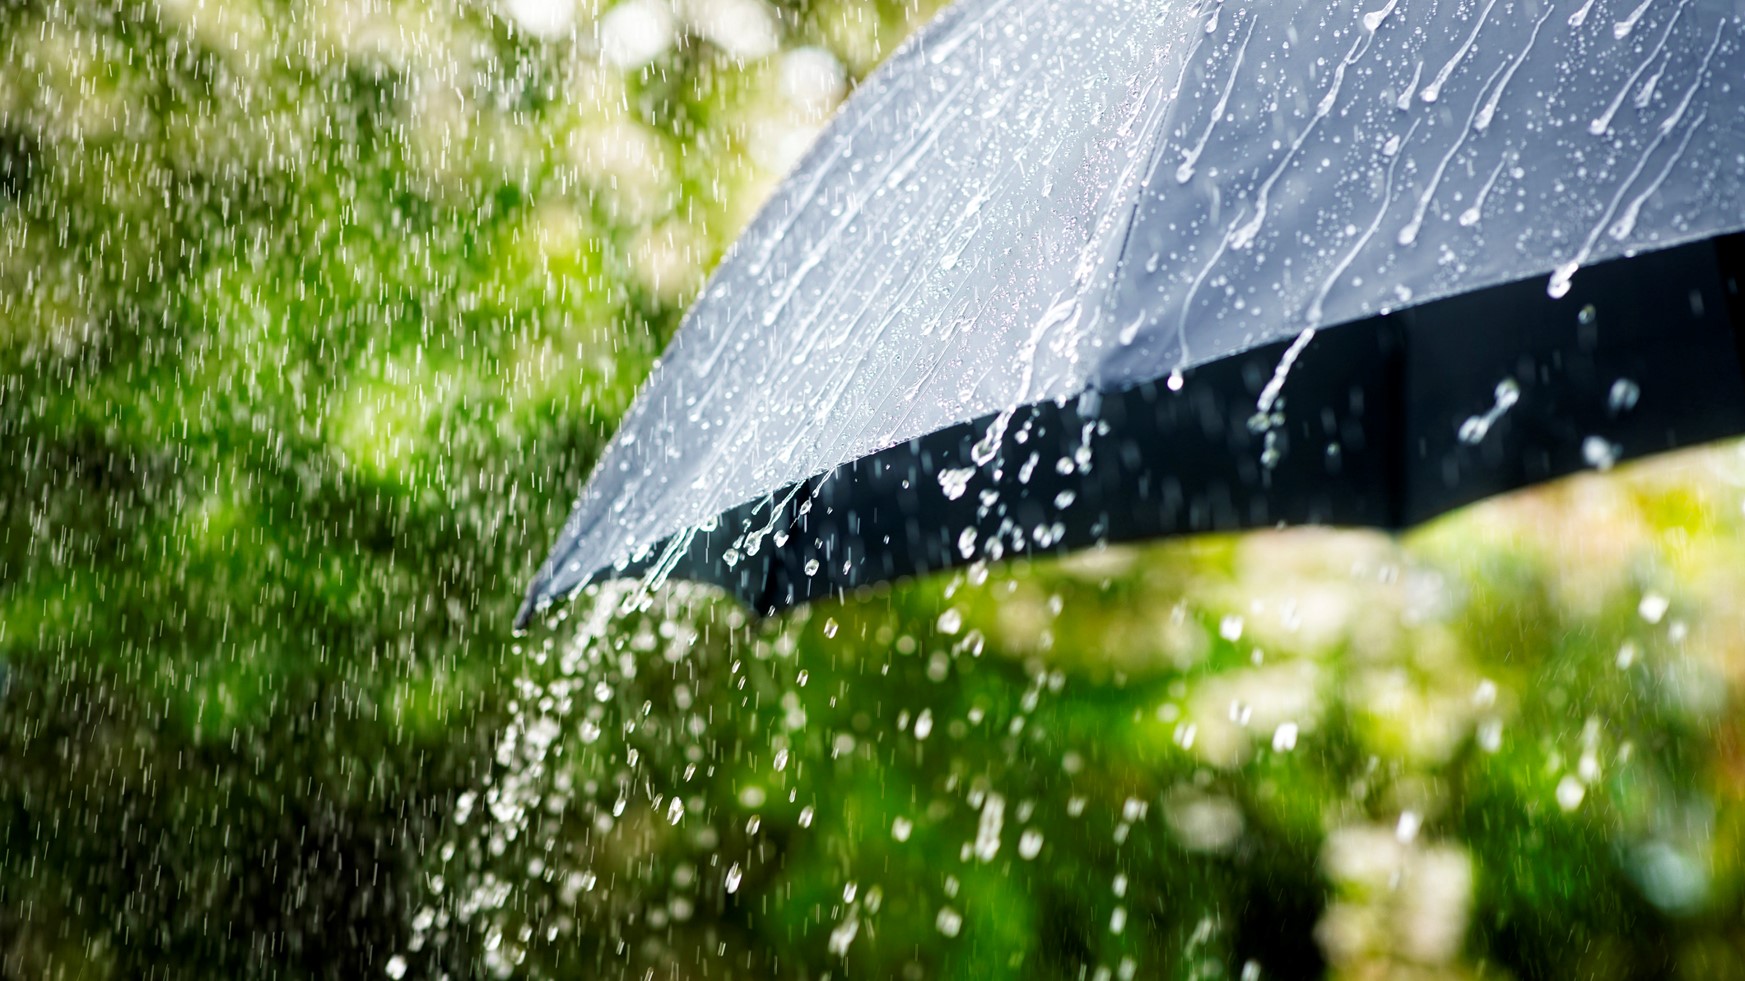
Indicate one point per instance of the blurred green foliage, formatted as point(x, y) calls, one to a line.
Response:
point(312, 320)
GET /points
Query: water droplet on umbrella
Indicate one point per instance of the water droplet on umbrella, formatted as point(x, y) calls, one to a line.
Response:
point(1373, 19)
point(1622, 29)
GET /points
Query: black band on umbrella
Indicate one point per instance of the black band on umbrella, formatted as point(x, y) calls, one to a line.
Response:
point(1730, 254)
point(1384, 422)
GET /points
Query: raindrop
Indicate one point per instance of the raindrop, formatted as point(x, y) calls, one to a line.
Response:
point(1433, 91)
point(1373, 19)
point(807, 813)
point(1570, 792)
point(734, 876)
point(675, 811)
point(949, 921)
point(924, 724)
point(1476, 428)
point(1284, 738)
point(1475, 211)
point(1404, 102)
point(966, 543)
point(954, 481)
point(1029, 844)
point(951, 621)
point(987, 843)
point(1241, 712)
point(901, 828)
point(843, 935)
point(1622, 29)
point(1271, 454)
point(1406, 830)
point(1623, 396)
point(1653, 607)
point(396, 968)
point(1561, 277)
point(1599, 452)
point(1490, 735)
point(1230, 628)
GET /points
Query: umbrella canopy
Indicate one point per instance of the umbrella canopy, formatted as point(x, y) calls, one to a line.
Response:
point(1071, 271)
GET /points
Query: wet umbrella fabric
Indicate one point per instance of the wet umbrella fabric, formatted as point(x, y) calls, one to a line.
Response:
point(1071, 272)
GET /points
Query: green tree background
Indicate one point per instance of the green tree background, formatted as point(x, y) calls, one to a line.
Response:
point(312, 321)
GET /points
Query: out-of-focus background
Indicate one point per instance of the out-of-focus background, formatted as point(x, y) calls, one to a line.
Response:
point(313, 318)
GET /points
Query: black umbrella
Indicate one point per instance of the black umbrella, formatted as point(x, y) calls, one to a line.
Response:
point(1074, 272)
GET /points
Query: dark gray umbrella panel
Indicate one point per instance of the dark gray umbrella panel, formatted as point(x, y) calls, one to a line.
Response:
point(1069, 272)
